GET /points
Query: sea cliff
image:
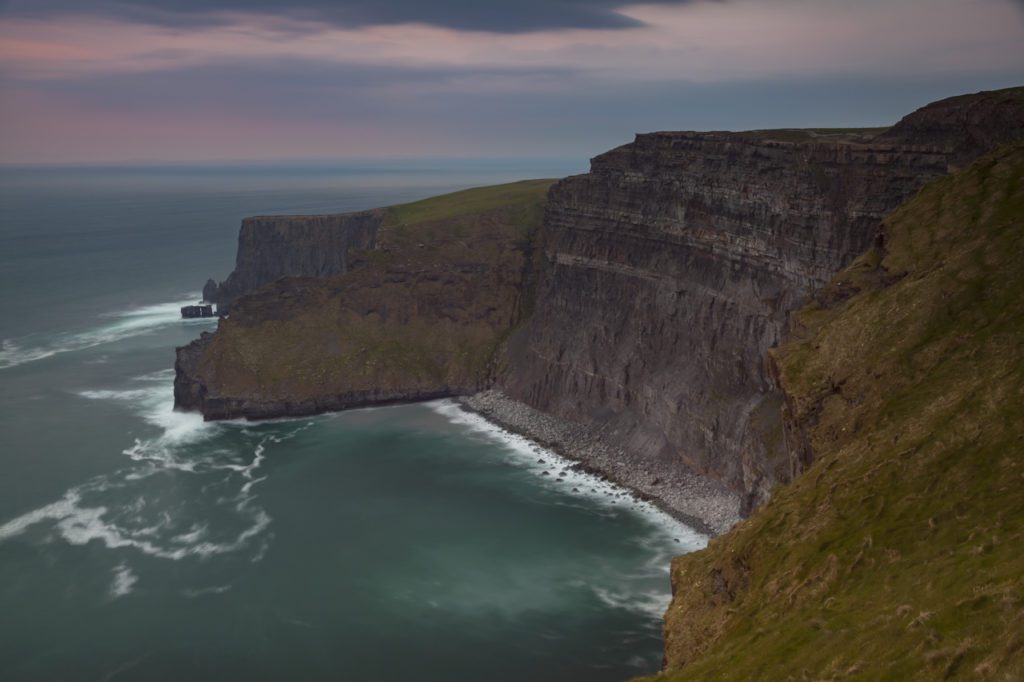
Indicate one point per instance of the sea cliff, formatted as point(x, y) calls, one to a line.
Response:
point(271, 247)
point(818, 328)
point(671, 269)
point(417, 316)
point(896, 554)
point(640, 308)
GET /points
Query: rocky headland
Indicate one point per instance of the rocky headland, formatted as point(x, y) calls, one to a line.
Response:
point(416, 313)
point(706, 318)
point(272, 247)
point(637, 301)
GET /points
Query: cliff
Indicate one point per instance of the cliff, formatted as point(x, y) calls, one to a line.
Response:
point(966, 126)
point(420, 315)
point(665, 275)
point(896, 555)
point(271, 247)
point(671, 269)
point(679, 305)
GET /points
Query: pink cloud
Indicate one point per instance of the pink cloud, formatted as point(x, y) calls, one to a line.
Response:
point(702, 42)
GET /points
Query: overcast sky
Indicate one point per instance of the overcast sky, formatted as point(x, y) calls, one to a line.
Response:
point(214, 80)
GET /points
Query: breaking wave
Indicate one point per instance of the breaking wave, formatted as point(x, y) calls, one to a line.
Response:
point(188, 491)
point(613, 498)
point(118, 326)
point(641, 589)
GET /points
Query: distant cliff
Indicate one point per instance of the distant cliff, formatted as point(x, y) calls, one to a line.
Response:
point(966, 126)
point(419, 315)
point(271, 247)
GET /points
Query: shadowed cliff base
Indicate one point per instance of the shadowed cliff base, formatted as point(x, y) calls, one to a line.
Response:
point(698, 501)
point(897, 554)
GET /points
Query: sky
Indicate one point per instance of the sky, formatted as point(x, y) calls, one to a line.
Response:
point(111, 81)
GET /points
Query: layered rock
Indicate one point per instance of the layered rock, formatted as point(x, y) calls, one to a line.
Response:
point(271, 247)
point(672, 267)
point(897, 554)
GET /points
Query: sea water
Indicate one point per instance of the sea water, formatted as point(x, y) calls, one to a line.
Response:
point(140, 543)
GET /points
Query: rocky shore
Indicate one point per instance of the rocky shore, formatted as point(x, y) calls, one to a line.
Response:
point(693, 499)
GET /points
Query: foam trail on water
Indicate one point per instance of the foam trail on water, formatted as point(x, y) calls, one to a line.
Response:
point(155, 404)
point(60, 509)
point(153, 524)
point(120, 325)
point(124, 581)
point(525, 453)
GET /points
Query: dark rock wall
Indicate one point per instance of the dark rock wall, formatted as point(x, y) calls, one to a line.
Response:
point(271, 247)
point(671, 268)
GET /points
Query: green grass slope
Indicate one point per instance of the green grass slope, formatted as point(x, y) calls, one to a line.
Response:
point(899, 555)
point(423, 311)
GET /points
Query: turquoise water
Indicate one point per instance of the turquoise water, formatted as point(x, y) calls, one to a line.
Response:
point(137, 543)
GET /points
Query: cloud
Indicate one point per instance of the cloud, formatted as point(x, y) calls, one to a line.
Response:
point(499, 16)
point(698, 42)
point(243, 85)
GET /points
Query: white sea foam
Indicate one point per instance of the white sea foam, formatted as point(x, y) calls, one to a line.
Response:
point(84, 514)
point(155, 403)
point(651, 603)
point(668, 534)
point(60, 509)
point(118, 325)
point(124, 581)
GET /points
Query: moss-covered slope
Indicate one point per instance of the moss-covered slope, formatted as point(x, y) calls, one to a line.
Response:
point(418, 316)
point(898, 554)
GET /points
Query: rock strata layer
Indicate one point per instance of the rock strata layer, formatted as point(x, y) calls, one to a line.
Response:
point(897, 554)
point(671, 269)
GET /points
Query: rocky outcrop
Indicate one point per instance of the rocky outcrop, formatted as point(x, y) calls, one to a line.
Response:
point(271, 247)
point(671, 268)
point(417, 317)
point(966, 126)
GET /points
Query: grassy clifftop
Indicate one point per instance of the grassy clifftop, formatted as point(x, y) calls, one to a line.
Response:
point(419, 315)
point(897, 555)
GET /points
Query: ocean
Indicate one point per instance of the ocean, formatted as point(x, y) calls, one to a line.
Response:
point(407, 542)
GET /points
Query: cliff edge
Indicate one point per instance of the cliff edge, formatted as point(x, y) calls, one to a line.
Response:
point(271, 247)
point(417, 316)
point(896, 554)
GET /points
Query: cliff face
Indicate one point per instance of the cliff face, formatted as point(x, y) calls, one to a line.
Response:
point(671, 268)
point(419, 316)
point(897, 554)
point(667, 273)
point(271, 247)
